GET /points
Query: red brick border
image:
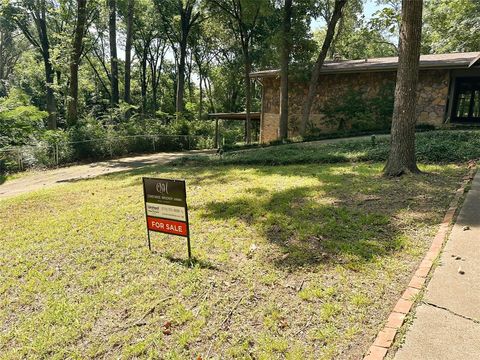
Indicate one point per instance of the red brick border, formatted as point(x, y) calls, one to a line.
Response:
point(385, 337)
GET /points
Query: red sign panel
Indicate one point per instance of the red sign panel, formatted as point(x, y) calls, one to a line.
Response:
point(167, 226)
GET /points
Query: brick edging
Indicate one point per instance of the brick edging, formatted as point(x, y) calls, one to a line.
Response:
point(384, 340)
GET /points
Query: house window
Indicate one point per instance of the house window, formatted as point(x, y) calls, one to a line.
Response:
point(466, 107)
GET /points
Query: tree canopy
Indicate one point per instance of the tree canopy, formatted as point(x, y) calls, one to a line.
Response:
point(119, 61)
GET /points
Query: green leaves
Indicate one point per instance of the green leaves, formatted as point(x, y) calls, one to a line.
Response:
point(19, 120)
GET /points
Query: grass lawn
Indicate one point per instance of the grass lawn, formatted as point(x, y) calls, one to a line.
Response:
point(296, 262)
point(441, 146)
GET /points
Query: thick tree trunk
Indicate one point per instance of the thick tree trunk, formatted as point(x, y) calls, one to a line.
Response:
point(72, 113)
point(153, 75)
point(49, 94)
point(284, 60)
point(312, 88)
point(49, 74)
point(180, 103)
point(112, 30)
point(402, 159)
point(128, 51)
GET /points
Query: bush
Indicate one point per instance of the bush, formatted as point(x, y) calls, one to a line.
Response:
point(20, 122)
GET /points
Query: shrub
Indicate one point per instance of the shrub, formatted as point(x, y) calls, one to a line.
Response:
point(20, 122)
point(445, 146)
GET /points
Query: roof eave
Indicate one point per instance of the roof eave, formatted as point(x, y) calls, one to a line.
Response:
point(474, 61)
point(261, 75)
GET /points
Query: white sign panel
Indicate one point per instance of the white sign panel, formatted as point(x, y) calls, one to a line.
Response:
point(166, 211)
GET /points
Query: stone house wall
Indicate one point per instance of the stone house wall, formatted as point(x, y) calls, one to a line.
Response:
point(432, 98)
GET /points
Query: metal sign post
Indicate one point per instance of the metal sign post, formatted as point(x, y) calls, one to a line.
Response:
point(166, 208)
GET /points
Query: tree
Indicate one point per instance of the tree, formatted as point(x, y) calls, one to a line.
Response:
point(459, 19)
point(128, 50)
point(359, 38)
point(312, 88)
point(112, 31)
point(284, 61)
point(31, 17)
point(244, 21)
point(402, 159)
point(77, 48)
point(11, 47)
point(189, 14)
point(146, 31)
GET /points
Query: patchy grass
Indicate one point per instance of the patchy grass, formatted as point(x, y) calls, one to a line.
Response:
point(295, 262)
point(431, 147)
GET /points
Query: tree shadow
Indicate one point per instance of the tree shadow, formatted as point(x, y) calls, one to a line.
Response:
point(350, 215)
point(348, 219)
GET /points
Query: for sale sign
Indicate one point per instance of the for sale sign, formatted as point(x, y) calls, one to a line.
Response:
point(166, 207)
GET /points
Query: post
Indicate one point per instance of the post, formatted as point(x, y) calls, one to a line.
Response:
point(56, 153)
point(146, 214)
point(19, 159)
point(216, 134)
point(189, 248)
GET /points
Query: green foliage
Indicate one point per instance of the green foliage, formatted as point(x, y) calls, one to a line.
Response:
point(451, 26)
point(355, 111)
point(20, 122)
point(359, 38)
point(443, 146)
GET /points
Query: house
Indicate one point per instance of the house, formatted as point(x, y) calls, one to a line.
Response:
point(448, 91)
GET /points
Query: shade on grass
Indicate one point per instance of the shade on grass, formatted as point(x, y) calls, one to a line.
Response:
point(299, 261)
point(431, 147)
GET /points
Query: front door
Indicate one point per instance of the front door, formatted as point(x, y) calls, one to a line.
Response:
point(466, 106)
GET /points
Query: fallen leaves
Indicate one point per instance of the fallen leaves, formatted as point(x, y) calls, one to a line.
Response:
point(167, 325)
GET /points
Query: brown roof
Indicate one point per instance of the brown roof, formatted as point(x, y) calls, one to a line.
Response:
point(438, 61)
point(235, 116)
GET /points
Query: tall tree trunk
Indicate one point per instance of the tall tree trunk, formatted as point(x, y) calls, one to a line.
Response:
point(112, 30)
point(180, 103)
point(143, 81)
point(153, 74)
point(312, 88)
point(284, 60)
point(248, 92)
point(128, 51)
point(208, 89)
point(402, 159)
point(200, 99)
point(2, 62)
point(49, 94)
point(49, 73)
point(72, 113)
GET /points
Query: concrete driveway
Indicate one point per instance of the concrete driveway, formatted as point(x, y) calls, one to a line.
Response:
point(43, 179)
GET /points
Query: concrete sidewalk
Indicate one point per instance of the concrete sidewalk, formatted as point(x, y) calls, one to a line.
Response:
point(447, 322)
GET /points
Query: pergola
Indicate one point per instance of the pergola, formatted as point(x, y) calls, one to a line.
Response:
point(242, 116)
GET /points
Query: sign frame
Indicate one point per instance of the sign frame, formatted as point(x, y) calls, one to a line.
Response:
point(164, 218)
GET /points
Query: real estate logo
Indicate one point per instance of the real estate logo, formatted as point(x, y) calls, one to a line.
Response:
point(166, 208)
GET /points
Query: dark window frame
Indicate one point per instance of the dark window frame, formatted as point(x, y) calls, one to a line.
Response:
point(459, 81)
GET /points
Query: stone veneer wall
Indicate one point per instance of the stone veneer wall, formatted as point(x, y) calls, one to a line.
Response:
point(432, 98)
